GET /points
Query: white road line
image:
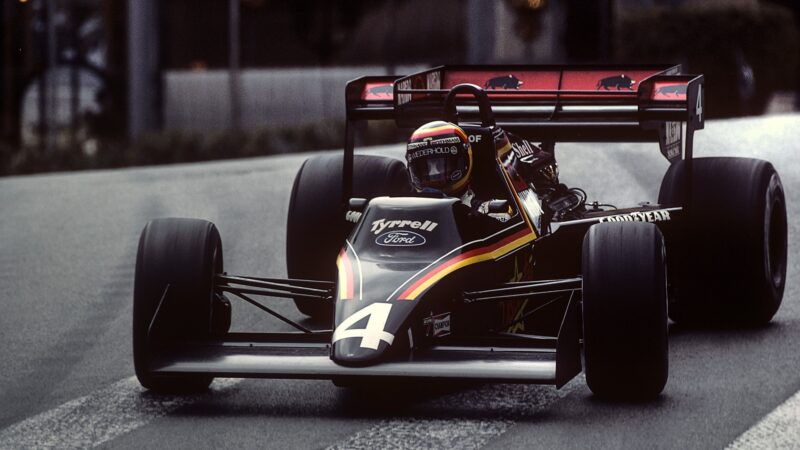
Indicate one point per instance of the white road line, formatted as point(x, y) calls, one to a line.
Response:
point(501, 406)
point(124, 406)
point(777, 430)
point(98, 417)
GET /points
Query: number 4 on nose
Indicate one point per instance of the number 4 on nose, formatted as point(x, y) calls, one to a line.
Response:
point(371, 336)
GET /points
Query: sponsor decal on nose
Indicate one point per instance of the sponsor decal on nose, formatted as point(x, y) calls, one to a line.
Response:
point(378, 226)
point(438, 325)
point(400, 239)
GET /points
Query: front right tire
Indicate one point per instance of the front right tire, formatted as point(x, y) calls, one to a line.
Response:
point(316, 227)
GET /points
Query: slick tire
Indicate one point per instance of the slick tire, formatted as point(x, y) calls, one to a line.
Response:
point(316, 227)
point(625, 310)
point(732, 269)
point(181, 257)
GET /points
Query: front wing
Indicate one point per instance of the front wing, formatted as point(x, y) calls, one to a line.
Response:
point(501, 359)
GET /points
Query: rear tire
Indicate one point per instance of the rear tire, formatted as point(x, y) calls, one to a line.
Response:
point(316, 227)
point(625, 310)
point(184, 254)
point(733, 269)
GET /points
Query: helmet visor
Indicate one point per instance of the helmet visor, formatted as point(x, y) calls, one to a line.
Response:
point(433, 172)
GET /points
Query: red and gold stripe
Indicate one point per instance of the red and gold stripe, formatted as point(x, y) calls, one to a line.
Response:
point(504, 149)
point(345, 276)
point(514, 192)
point(468, 258)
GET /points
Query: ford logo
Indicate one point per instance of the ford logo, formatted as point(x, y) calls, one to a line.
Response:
point(400, 239)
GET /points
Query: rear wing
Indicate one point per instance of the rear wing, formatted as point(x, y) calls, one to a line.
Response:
point(634, 103)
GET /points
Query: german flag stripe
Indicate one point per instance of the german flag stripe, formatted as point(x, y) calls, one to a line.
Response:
point(439, 130)
point(345, 276)
point(475, 256)
point(523, 213)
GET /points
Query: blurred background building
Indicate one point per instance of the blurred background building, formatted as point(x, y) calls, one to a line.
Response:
point(94, 83)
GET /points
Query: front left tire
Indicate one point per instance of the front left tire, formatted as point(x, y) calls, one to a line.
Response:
point(177, 260)
point(625, 310)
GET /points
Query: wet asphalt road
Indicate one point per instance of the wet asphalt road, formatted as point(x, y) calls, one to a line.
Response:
point(67, 253)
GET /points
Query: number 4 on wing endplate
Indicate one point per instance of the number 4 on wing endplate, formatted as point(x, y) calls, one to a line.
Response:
point(699, 105)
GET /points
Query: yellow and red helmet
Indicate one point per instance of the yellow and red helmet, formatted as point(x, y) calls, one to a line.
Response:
point(439, 157)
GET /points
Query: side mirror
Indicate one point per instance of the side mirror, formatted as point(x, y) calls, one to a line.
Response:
point(357, 204)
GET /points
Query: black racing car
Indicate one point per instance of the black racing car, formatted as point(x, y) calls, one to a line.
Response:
point(414, 286)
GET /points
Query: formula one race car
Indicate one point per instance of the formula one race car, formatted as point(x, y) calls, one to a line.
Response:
point(415, 287)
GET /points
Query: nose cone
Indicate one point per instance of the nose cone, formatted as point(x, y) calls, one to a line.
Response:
point(389, 251)
point(362, 337)
point(349, 352)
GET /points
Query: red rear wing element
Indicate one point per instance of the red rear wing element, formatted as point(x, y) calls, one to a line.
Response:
point(537, 83)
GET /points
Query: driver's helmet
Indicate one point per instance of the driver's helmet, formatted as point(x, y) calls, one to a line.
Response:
point(439, 157)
